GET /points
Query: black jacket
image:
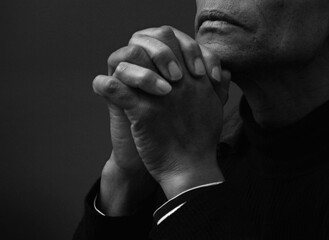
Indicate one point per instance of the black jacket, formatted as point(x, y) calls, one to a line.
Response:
point(277, 187)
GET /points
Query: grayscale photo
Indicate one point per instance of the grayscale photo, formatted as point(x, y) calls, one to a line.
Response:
point(165, 120)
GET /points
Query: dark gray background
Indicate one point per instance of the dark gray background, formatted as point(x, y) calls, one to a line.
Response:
point(54, 130)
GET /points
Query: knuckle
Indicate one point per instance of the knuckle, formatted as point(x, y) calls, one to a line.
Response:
point(114, 59)
point(192, 47)
point(103, 85)
point(145, 79)
point(126, 53)
point(111, 86)
point(137, 35)
point(133, 52)
point(96, 84)
point(210, 57)
point(166, 33)
point(121, 67)
point(141, 32)
point(165, 29)
point(160, 54)
point(110, 59)
point(148, 75)
point(114, 56)
point(98, 78)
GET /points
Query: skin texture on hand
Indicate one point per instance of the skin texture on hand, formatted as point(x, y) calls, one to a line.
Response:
point(172, 132)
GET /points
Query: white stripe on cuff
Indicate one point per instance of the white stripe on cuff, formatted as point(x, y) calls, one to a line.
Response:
point(169, 213)
point(190, 189)
point(97, 208)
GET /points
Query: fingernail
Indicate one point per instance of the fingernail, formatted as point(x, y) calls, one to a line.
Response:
point(215, 73)
point(174, 71)
point(162, 86)
point(199, 67)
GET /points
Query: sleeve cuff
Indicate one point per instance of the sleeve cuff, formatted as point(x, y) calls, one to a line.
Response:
point(173, 204)
point(95, 206)
point(94, 225)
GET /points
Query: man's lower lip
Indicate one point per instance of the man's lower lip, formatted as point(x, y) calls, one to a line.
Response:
point(217, 27)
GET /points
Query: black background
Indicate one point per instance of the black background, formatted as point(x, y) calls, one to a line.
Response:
point(54, 130)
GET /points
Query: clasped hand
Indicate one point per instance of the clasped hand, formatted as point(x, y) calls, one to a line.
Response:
point(165, 95)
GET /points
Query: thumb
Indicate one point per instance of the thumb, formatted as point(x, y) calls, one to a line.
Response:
point(220, 78)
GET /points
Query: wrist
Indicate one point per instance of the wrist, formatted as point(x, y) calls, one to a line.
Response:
point(121, 193)
point(204, 172)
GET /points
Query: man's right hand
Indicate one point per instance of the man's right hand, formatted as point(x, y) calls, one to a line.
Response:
point(124, 172)
point(124, 175)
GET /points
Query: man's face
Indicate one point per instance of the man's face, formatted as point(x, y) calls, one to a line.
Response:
point(251, 33)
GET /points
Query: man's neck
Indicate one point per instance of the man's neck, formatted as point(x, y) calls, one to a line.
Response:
point(282, 96)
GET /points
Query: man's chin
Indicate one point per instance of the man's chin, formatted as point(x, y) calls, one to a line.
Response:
point(236, 58)
point(231, 57)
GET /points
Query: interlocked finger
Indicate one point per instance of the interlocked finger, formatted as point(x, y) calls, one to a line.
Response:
point(115, 92)
point(145, 79)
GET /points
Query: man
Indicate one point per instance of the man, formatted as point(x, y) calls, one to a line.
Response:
point(268, 177)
